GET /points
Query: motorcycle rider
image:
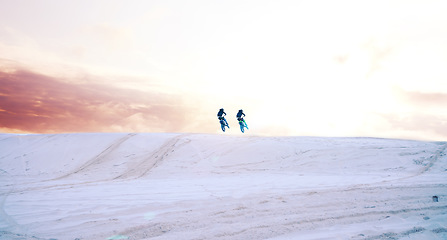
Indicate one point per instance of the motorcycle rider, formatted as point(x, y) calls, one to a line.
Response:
point(240, 117)
point(220, 116)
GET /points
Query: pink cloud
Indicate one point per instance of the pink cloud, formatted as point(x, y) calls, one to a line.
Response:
point(31, 102)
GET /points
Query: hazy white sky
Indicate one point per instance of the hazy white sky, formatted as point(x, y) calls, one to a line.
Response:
point(322, 68)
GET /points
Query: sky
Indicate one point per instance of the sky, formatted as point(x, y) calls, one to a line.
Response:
point(297, 68)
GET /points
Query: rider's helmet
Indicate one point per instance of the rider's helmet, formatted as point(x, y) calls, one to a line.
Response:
point(221, 109)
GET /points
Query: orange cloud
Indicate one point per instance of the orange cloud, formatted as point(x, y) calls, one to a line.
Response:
point(31, 102)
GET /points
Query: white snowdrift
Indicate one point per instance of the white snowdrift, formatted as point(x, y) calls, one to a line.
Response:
point(198, 186)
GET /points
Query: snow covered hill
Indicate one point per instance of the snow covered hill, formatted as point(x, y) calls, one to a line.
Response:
point(199, 186)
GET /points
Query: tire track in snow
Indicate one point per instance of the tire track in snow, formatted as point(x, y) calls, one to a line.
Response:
point(137, 170)
point(433, 159)
point(143, 167)
point(253, 221)
point(5, 219)
point(100, 158)
point(288, 211)
point(441, 152)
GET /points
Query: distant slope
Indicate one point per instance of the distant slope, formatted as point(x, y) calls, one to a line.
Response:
point(99, 156)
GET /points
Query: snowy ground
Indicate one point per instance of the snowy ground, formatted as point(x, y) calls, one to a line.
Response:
point(198, 186)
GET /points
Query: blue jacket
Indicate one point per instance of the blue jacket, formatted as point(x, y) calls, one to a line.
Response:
point(239, 114)
point(220, 113)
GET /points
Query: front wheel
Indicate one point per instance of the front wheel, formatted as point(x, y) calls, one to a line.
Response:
point(241, 124)
point(222, 125)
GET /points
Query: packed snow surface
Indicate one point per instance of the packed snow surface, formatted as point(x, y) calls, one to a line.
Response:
point(201, 186)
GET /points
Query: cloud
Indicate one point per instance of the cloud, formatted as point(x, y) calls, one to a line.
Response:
point(417, 126)
point(110, 37)
point(422, 99)
point(378, 52)
point(420, 115)
point(32, 102)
